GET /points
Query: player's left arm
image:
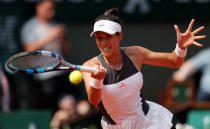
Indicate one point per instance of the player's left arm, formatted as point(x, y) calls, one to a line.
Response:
point(141, 55)
point(176, 57)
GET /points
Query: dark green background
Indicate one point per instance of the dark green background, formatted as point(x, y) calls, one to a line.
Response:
point(153, 30)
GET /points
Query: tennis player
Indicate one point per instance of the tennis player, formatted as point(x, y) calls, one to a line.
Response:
point(116, 85)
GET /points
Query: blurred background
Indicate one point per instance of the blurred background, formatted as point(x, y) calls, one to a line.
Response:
point(148, 23)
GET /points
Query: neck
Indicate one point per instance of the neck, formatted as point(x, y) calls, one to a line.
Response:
point(115, 60)
point(42, 20)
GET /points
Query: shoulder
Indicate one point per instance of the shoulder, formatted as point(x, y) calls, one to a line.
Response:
point(136, 51)
point(29, 24)
point(30, 21)
point(92, 62)
point(137, 54)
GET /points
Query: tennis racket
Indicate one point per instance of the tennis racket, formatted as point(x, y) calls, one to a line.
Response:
point(40, 62)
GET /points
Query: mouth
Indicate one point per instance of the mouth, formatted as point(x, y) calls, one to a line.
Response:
point(106, 49)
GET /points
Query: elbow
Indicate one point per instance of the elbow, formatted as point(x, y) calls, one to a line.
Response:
point(94, 104)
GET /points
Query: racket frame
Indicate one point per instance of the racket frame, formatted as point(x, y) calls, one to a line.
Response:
point(63, 65)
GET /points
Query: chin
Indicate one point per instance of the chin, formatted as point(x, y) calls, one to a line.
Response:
point(106, 54)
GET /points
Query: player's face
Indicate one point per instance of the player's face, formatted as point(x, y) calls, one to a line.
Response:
point(107, 43)
point(46, 10)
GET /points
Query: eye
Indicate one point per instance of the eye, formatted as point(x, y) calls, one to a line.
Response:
point(109, 37)
point(104, 37)
point(99, 38)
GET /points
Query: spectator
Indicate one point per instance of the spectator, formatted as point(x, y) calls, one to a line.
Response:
point(65, 113)
point(69, 112)
point(41, 33)
point(5, 94)
point(200, 62)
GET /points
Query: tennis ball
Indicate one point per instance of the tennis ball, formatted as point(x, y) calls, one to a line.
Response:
point(75, 77)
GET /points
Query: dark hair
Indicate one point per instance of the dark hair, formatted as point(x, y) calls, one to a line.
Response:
point(65, 95)
point(41, 1)
point(110, 14)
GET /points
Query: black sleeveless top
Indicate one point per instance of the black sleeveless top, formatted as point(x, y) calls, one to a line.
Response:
point(113, 76)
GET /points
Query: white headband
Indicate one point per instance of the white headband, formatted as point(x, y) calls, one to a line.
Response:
point(107, 26)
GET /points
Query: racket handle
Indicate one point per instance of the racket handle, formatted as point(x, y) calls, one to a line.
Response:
point(80, 67)
point(87, 69)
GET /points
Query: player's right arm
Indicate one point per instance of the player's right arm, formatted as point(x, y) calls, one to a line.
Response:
point(94, 91)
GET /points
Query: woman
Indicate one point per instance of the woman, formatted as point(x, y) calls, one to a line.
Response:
point(116, 84)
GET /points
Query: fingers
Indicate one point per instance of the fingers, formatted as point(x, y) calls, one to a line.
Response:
point(101, 69)
point(194, 43)
point(177, 29)
point(198, 30)
point(200, 37)
point(188, 38)
point(190, 25)
point(197, 44)
point(99, 73)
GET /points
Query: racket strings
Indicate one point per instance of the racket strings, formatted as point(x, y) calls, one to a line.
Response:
point(34, 62)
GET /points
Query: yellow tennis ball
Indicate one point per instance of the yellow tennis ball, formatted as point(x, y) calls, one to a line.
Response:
point(75, 77)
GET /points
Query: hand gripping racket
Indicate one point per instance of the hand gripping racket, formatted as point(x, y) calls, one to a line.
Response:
point(41, 61)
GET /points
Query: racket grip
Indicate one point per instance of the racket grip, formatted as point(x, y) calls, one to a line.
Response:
point(87, 69)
